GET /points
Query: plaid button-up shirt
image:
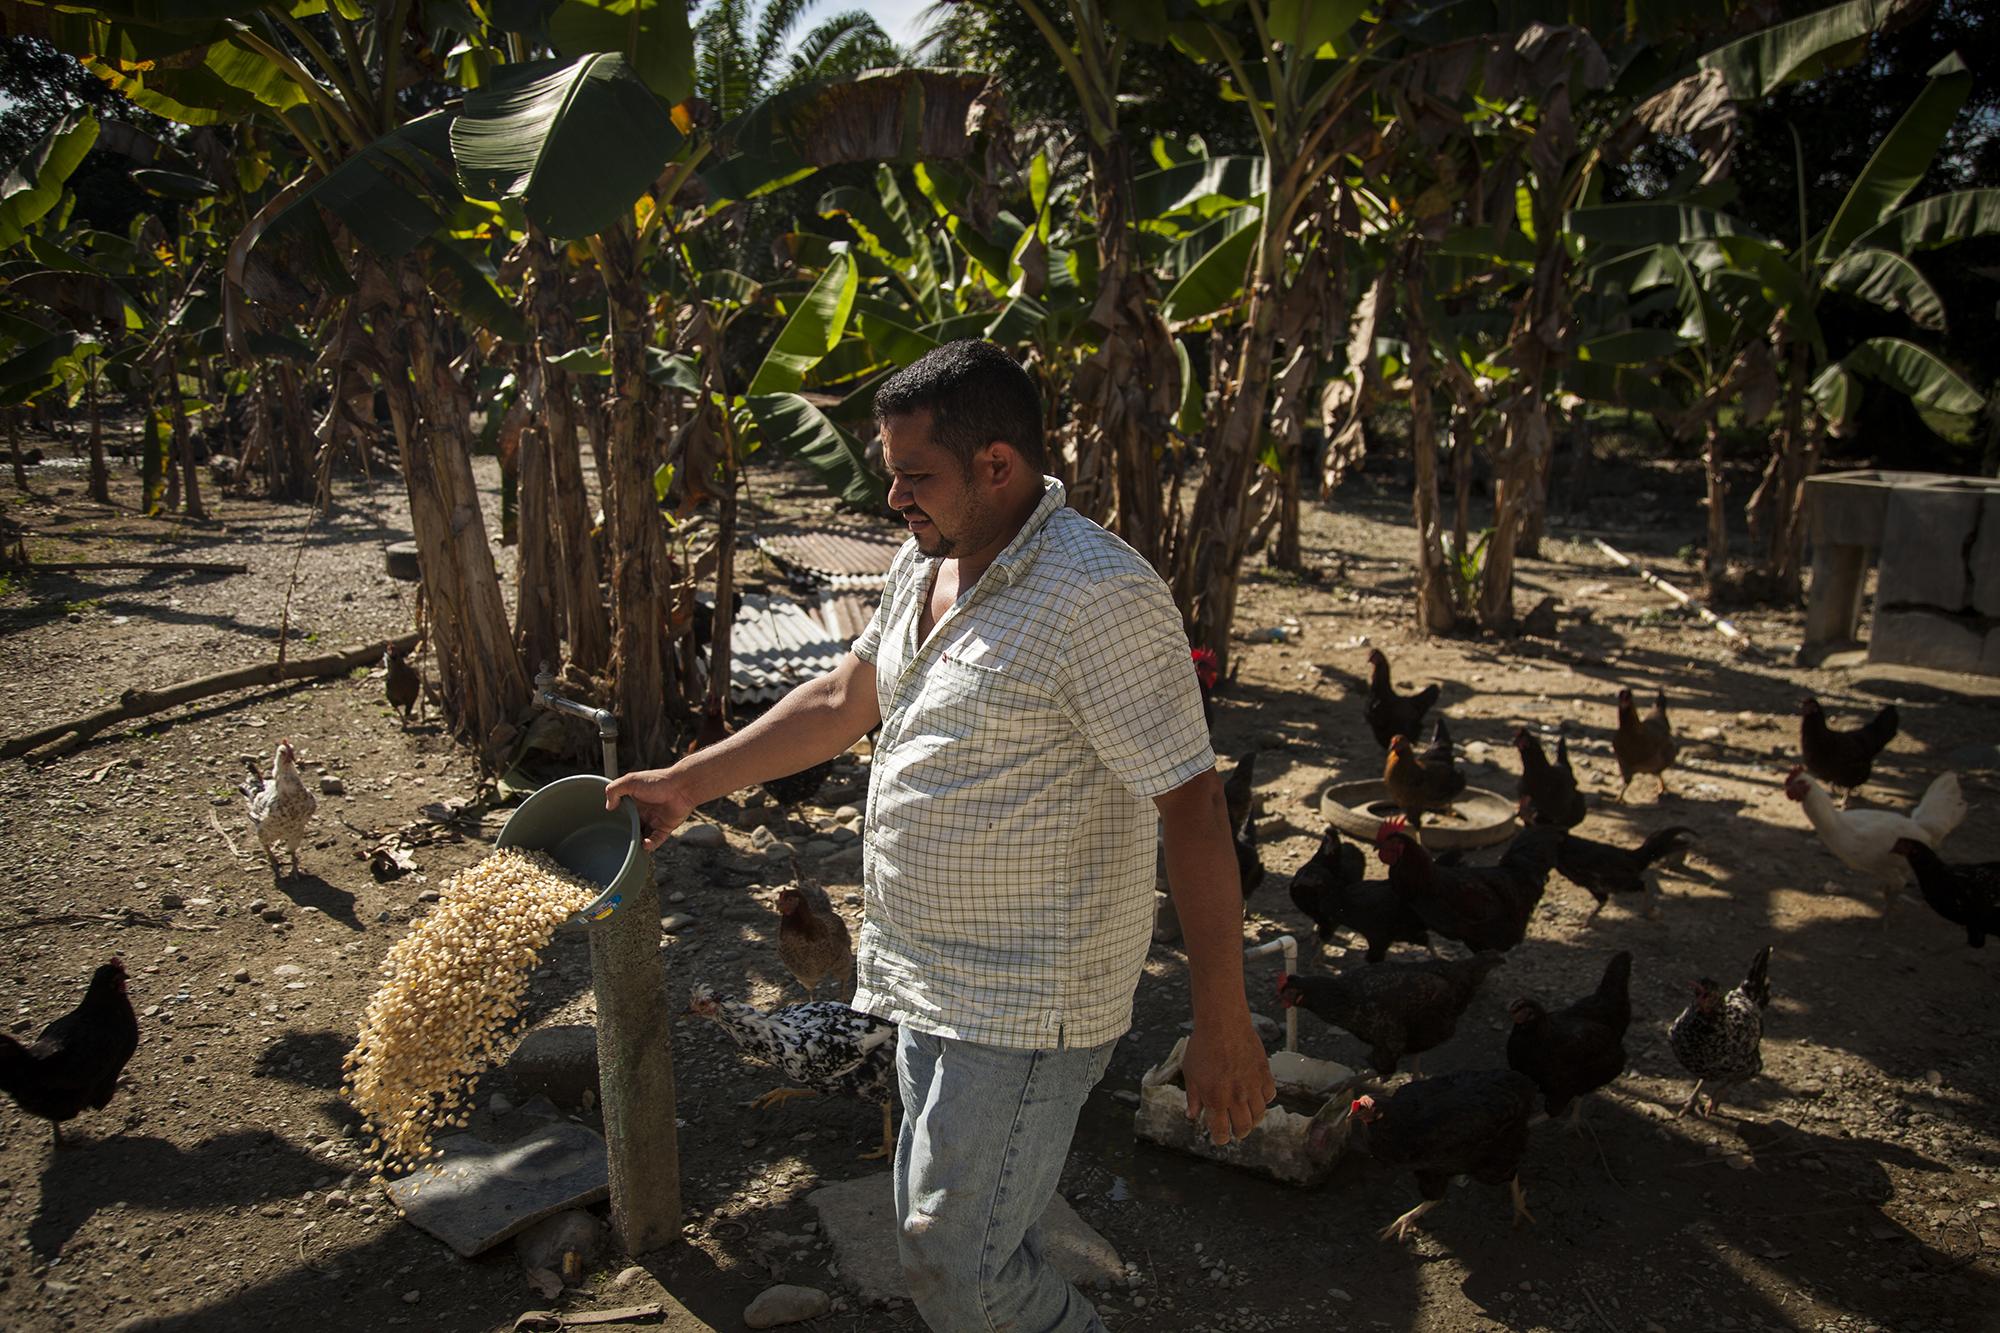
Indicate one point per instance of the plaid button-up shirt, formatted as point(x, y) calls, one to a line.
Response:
point(1009, 855)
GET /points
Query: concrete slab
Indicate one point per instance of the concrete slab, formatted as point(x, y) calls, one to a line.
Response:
point(1924, 547)
point(1941, 642)
point(479, 1194)
point(859, 1217)
point(558, 1062)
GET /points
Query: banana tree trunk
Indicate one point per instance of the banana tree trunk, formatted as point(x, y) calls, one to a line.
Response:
point(1126, 393)
point(638, 549)
point(295, 430)
point(1715, 559)
point(183, 440)
point(580, 563)
point(1775, 509)
point(1526, 443)
point(537, 584)
point(1435, 611)
point(1208, 569)
point(480, 678)
point(14, 449)
point(100, 476)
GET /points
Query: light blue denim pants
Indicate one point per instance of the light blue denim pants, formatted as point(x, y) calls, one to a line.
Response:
point(986, 1130)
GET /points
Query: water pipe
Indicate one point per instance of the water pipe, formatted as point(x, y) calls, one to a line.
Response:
point(606, 720)
point(1290, 948)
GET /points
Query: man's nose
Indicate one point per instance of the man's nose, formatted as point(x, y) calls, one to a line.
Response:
point(899, 493)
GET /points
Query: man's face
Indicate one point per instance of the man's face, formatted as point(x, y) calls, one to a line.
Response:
point(946, 511)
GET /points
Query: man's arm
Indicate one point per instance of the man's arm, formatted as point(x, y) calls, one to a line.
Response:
point(810, 725)
point(1226, 1071)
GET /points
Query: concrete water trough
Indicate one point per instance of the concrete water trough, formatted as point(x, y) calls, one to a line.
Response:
point(1477, 818)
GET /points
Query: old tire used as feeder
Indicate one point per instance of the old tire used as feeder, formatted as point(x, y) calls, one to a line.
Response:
point(1477, 818)
point(400, 559)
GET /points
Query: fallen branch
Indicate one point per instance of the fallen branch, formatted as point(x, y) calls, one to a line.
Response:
point(124, 918)
point(140, 703)
point(174, 566)
point(1727, 629)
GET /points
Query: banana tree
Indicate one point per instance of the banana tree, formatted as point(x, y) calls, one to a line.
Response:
point(1863, 253)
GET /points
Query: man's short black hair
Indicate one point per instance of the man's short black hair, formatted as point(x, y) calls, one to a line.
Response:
point(976, 394)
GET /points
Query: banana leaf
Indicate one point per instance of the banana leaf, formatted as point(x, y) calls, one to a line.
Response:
point(1902, 158)
point(1890, 281)
point(35, 185)
point(652, 34)
point(794, 426)
point(814, 329)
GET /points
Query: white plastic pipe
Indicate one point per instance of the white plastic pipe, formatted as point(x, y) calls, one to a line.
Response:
point(1290, 948)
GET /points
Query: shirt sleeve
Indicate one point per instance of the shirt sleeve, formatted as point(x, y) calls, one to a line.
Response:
point(1127, 680)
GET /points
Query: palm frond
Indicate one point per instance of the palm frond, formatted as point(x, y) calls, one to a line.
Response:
point(844, 44)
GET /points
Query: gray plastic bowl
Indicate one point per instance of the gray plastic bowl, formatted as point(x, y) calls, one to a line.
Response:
point(567, 820)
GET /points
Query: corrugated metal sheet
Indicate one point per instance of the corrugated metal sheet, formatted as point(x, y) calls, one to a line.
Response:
point(776, 644)
point(844, 557)
point(845, 614)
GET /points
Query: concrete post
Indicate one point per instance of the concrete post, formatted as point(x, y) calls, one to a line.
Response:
point(1833, 609)
point(635, 1073)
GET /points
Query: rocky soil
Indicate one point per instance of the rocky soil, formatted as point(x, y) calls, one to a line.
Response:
point(1851, 1187)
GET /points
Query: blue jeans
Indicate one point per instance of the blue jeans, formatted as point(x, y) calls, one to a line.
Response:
point(986, 1130)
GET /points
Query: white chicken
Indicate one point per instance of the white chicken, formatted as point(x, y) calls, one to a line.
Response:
point(1865, 840)
point(281, 808)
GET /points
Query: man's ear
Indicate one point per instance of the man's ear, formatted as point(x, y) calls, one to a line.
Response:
point(997, 463)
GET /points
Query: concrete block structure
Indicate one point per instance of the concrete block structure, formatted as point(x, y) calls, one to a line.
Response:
point(1937, 540)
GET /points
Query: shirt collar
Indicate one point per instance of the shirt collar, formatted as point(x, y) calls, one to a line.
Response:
point(1018, 554)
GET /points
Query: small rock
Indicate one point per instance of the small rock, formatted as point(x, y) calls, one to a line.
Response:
point(786, 1304)
point(240, 974)
point(675, 924)
point(274, 915)
point(845, 813)
point(412, 1296)
point(336, 1199)
point(329, 785)
point(763, 839)
point(287, 970)
point(172, 901)
point(627, 1277)
point(677, 897)
point(256, 905)
point(702, 835)
point(498, 1104)
point(429, 896)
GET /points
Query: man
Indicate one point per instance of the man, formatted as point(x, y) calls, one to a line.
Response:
point(1040, 719)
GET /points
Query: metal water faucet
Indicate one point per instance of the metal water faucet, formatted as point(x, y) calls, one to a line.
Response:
point(606, 720)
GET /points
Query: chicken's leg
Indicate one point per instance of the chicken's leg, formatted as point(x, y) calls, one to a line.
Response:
point(56, 1125)
point(1520, 1202)
point(1620, 797)
point(1400, 1228)
point(888, 1148)
point(1591, 920)
point(1416, 1067)
point(778, 1095)
point(1575, 1124)
point(1688, 1105)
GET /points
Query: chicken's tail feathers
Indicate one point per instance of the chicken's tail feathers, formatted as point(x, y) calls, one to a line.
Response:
point(1659, 844)
point(1942, 808)
point(1757, 985)
point(1618, 974)
point(1886, 723)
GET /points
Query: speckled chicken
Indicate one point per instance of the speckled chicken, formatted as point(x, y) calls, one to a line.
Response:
point(827, 1047)
point(1397, 1009)
point(1720, 1037)
point(813, 940)
point(281, 808)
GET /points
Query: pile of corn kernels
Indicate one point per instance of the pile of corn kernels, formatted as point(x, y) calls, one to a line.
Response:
point(451, 989)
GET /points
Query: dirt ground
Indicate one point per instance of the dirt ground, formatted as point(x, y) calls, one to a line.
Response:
point(1850, 1187)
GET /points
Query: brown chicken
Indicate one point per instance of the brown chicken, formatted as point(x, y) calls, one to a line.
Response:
point(1844, 759)
point(1548, 791)
point(1417, 786)
point(76, 1061)
point(1643, 744)
point(402, 685)
point(1388, 713)
point(813, 939)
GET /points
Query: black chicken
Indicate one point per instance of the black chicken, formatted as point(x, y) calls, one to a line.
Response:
point(1398, 1009)
point(1966, 894)
point(1472, 1123)
point(76, 1061)
point(401, 683)
point(1388, 713)
point(1576, 1050)
point(1550, 787)
point(798, 788)
point(1334, 890)
point(1485, 907)
point(1602, 870)
point(1844, 759)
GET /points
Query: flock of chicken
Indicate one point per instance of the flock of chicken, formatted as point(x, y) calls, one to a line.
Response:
point(1476, 1122)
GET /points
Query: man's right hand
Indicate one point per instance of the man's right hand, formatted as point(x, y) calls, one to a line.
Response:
point(662, 797)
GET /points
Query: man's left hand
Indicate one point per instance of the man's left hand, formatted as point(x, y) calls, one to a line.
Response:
point(1228, 1078)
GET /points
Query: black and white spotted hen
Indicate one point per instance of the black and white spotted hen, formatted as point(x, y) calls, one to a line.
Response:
point(1720, 1037)
point(825, 1046)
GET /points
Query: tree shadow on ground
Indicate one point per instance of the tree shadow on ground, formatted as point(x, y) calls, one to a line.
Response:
point(150, 1173)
